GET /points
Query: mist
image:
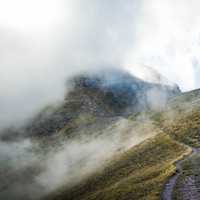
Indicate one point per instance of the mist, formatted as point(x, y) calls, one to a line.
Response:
point(167, 39)
point(33, 173)
point(40, 51)
point(45, 43)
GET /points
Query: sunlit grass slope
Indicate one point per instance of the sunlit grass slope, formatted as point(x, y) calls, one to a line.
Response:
point(141, 172)
point(182, 118)
point(137, 174)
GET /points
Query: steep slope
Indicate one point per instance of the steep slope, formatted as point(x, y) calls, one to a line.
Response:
point(137, 174)
point(85, 131)
point(181, 120)
point(97, 96)
point(141, 172)
point(183, 124)
point(101, 117)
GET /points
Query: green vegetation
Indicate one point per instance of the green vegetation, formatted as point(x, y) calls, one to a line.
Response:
point(186, 129)
point(141, 172)
point(82, 120)
point(137, 174)
point(181, 125)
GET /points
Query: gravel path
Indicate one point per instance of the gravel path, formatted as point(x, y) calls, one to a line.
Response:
point(190, 190)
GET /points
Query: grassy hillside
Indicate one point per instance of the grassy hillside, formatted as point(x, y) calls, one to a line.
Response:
point(182, 118)
point(182, 122)
point(134, 172)
point(137, 174)
point(141, 172)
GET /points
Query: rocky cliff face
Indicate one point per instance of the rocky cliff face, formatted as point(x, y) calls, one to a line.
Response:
point(95, 97)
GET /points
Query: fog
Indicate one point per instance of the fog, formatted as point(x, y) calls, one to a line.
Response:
point(44, 43)
point(32, 173)
point(167, 38)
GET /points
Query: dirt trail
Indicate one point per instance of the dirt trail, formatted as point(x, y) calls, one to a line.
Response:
point(190, 190)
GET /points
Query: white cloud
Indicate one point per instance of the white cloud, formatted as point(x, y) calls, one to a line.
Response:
point(167, 38)
point(42, 43)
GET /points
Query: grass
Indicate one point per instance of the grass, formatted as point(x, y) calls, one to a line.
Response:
point(141, 172)
point(82, 120)
point(184, 127)
point(137, 174)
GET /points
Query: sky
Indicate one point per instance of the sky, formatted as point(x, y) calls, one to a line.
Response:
point(43, 42)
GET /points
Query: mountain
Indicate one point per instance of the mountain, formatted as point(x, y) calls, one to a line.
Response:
point(93, 98)
point(165, 166)
point(114, 136)
point(98, 96)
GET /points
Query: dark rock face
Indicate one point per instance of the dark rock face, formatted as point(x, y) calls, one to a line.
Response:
point(105, 94)
point(118, 90)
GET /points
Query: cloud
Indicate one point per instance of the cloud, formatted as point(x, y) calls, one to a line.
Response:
point(36, 61)
point(167, 37)
point(33, 171)
point(38, 53)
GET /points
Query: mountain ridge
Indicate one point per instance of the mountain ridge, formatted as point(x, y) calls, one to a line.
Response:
point(104, 117)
